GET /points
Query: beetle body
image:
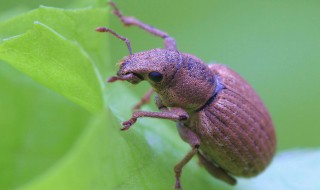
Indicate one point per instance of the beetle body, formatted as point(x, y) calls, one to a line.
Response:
point(226, 114)
point(217, 112)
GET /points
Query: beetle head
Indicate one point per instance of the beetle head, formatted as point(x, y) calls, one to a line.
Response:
point(157, 66)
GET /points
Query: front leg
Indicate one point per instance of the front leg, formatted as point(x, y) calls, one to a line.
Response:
point(169, 42)
point(175, 114)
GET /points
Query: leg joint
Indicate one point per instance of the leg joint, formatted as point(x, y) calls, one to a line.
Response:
point(177, 169)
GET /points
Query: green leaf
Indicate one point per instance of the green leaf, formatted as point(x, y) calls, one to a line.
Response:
point(76, 25)
point(38, 127)
point(56, 62)
point(297, 169)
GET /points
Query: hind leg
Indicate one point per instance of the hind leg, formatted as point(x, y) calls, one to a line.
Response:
point(191, 138)
point(216, 171)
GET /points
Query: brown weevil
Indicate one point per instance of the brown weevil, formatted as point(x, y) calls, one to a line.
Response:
point(217, 112)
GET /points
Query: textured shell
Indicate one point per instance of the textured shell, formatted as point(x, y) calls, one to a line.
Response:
point(235, 130)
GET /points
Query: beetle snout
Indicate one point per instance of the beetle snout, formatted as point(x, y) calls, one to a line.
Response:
point(131, 77)
point(128, 74)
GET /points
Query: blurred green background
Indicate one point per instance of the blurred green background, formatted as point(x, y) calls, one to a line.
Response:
point(275, 45)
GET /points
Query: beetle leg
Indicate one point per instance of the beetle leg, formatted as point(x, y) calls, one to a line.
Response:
point(216, 171)
point(126, 40)
point(176, 114)
point(169, 42)
point(144, 100)
point(190, 137)
point(181, 164)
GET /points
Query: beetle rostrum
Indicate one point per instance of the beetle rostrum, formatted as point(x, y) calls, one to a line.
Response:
point(217, 112)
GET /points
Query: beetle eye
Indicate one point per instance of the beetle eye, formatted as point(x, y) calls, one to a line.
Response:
point(155, 76)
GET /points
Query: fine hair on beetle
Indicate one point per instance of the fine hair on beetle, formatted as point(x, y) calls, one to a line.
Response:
point(216, 111)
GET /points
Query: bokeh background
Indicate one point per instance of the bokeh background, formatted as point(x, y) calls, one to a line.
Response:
point(275, 45)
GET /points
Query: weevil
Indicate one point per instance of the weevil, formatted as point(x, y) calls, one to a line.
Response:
point(217, 112)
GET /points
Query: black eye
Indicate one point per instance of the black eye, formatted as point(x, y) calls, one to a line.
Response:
point(155, 76)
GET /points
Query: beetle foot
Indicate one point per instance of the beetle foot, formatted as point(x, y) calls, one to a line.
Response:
point(177, 186)
point(127, 124)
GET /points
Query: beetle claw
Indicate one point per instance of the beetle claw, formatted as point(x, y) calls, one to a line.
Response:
point(177, 186)
point(124, 128)
point(127, 124)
